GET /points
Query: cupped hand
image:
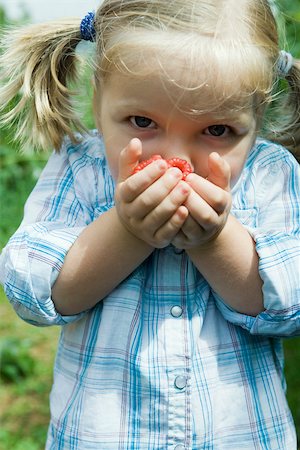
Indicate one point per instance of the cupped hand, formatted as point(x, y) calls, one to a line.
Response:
point(208, 203)
point(150, 203)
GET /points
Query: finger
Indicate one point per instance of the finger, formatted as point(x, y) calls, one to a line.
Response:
point(219, 171)
point(185, 235)
point(201, 211)
point(168, 207)
point(191, 227)
point(128, 159)
point(216, 197)
point(150, 186)
point(180, 240)
point(170, 229)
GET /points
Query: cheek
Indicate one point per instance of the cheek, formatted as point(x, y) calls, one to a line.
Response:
point(201, 168)
point(113, 164)
point(235, 174)
point(236, 165)
point(237, 157)
point(112, 153)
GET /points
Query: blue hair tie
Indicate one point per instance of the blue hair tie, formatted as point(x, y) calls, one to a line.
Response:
point(87, 29)
point(284, 63)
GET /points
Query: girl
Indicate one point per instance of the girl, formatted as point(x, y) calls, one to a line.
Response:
point(172, 294)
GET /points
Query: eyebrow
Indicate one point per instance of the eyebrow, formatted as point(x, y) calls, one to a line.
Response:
point(242, 118)
point(129, 103)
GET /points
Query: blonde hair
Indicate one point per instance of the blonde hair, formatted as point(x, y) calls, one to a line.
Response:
point(39, 62)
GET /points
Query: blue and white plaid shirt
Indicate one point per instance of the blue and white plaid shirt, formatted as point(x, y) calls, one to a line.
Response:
point(162, 363)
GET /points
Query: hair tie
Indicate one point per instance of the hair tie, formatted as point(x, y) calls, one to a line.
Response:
point(87, 29)
point(284, 63)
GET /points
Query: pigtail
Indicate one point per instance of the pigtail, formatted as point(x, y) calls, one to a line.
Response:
point(37, 65)
point(287, 114)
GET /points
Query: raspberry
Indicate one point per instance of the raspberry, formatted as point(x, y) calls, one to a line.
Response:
point(182, 164)
point(145, 163)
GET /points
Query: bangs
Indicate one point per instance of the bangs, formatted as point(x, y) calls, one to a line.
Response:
point(218, 74)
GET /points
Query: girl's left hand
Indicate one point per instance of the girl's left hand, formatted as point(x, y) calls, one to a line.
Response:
point(208, 203)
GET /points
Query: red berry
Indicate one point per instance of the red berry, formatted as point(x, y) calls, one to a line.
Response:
point(182, 164)
point(145, 163)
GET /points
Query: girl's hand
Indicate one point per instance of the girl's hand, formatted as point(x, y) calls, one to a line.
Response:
point(208, 203)
point(150, 203)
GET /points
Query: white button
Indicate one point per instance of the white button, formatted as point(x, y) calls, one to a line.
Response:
point(176, 311)
point(180, 382)
point(179, 447)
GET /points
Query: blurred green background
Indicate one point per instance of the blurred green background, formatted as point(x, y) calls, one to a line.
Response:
point(27, 353)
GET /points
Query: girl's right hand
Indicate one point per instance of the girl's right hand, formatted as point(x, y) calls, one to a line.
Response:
point(150, 202)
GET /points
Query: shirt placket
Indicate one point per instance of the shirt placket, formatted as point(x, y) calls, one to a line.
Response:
point(177, 342)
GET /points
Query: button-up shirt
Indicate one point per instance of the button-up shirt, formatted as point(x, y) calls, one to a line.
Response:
point(162, 362)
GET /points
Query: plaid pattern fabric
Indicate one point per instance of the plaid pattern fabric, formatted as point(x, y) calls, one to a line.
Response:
point(162, 363)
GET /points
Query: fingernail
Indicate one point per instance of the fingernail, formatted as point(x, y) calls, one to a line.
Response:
point(161, 164)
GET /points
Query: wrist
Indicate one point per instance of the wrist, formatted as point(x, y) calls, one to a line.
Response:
point(216, 240)
point(128, 234)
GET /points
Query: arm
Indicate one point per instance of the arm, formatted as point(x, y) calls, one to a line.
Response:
point(74, 246)
point(104, 254)
point(148, 214)
point(220, 247)
point(54, 217)
point(270, 189)
point(274, 193)
point(229, 263)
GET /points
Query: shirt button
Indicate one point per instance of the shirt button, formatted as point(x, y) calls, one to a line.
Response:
point(176, 311)
point(180, 382)
point(179, 447)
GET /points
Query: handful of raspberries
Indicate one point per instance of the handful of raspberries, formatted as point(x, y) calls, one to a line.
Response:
point(182, 164)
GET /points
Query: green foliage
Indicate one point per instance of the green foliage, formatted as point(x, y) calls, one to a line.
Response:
point(290, 10)
point(18, 174)
point(3, 19)
point(24, 403)
point(292, 368)
point(19, 171)
point(23, 14)
point(13, 442)
point(16, 361)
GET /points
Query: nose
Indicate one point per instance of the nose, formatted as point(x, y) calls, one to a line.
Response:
point(177, 148)
point(179, 159)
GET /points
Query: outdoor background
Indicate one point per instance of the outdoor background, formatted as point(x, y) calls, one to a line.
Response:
point(26, 352)
point(40, 11)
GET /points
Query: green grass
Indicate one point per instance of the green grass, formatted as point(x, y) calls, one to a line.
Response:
point(292, 370)
point(24, 412)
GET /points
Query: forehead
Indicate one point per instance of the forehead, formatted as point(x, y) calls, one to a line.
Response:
point(204, 73)
point(172, 84)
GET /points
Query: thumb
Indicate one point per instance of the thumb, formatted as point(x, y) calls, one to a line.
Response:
point(219, 171)
point(129, 158)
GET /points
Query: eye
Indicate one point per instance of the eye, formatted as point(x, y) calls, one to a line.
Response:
point(217, 130)
point(142, 122)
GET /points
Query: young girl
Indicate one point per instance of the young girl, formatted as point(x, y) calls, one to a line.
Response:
point(172, 292)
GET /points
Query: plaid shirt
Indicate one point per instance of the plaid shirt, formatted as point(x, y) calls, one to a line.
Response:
point(162, 363)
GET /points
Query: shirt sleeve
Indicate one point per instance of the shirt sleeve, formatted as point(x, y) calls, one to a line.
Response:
point(61, 205)
point(276, 235)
